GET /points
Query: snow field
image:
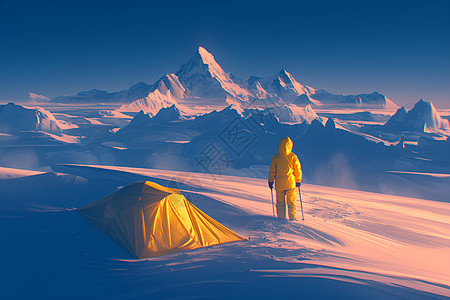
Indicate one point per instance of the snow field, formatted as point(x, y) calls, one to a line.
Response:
point(351, 242)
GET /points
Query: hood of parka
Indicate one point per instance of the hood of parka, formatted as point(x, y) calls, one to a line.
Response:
point(285, 146)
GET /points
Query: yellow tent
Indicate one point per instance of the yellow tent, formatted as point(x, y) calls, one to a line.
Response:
point(148, 220)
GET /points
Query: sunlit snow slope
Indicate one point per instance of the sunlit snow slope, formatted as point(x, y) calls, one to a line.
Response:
point(350, 244)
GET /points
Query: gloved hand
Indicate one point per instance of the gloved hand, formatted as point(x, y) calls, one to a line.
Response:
point(271, 185)
point(298, 184)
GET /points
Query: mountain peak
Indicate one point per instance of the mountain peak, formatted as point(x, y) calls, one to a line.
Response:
point(285, 84)
point(167, 114)
point(283, 72)
point(140, 83)
point(330, 124)
point(202, 62)
point(398, 118)
point(424, 107)
point(205, 54)
point(204, 77)
point(38, 98)
point(286, 77)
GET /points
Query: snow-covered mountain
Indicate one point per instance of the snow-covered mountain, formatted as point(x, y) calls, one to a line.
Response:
point(362, 100)
point(164, 93)
point(15, 118)
point(167, 114)
point(35, 98)
point(203, 79)
point(152, 103)
point(284, 86)
point(139, 119)
point(422, 117)
point(304, 100)
point(281, 85)
point(93, 95)
point(137, 91)
point(164, 115)
point(294, 114)
point(170, 82)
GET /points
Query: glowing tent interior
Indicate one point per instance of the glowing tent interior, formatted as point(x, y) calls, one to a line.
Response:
point(148, 220)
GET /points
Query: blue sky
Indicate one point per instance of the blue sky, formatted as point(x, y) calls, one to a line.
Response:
point(398, 48)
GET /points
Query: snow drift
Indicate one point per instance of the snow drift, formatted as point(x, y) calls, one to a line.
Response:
point(14, 118)
point(351, 243)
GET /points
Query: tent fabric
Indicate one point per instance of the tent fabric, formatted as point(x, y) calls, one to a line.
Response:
point(149, 220)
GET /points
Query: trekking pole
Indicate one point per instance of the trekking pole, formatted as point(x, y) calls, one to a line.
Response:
point(273, 208)
point(301, 204)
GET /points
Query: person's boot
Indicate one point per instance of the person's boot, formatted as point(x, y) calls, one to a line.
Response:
point(292, 214)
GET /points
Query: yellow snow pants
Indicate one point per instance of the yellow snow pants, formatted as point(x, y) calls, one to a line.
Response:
point(288, 197)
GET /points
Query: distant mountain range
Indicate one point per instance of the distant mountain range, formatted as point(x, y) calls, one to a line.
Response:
point(202, 78)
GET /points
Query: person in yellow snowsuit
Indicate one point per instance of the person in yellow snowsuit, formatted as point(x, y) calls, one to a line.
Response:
point(286, 170)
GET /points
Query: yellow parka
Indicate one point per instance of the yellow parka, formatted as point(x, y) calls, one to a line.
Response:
point(285, 167)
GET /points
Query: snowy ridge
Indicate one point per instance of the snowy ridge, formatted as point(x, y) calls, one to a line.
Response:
point(252, 84)
point(286, 84)
point(282, 85)
point(294, 114)
point(152, 103)
point(35, 98)
point(170, 82)
point(166, 91)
